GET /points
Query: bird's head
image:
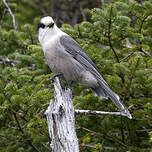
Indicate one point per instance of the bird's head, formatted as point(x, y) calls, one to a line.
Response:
point(46, 29)
point(45, 23)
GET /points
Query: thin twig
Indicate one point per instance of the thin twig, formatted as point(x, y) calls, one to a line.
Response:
point(34, 147)
point(82, 12)
point(47, 147)
point(4, 12)
point(95, 147)
point(22, 131)
point(140, 31)
point(109, 37)
point(108, 137)
point(142, 22)
point(23, 118)
point(38, 5)
point(12, 15)
point(127, 57)
point(145, 52)
point(18, 124)
point(122, 131)
point(92, 112)
point(88, 145)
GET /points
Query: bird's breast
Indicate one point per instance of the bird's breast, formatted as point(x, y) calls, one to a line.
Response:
point(60, 61)
point(57, 58)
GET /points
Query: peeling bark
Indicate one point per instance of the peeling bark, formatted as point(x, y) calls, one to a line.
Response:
point(61, 121)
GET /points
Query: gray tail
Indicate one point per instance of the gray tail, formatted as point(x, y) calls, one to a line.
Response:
point(103, 91)
point(98, 91)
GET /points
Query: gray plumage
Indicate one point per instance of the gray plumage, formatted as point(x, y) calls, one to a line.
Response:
point(64, 55)
point(100, 87)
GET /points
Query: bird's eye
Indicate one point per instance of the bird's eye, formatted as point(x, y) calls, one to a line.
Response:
point(51, 25)
point(40, 25)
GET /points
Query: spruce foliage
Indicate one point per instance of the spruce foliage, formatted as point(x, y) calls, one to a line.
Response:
point(118, 38)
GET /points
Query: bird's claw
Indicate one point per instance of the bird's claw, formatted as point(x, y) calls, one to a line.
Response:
point(55, 75)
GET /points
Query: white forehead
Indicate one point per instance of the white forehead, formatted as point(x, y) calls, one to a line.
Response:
point(47, 20)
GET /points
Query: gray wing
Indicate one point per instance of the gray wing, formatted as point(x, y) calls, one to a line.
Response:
point(73, 48)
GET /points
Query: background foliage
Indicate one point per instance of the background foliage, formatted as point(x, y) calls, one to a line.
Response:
point(117, 35)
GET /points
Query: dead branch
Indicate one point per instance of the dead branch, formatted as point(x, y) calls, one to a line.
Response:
point(6, 60)
point(11, 13)
point(61, 121)
point(125, 58)
point(92, 112)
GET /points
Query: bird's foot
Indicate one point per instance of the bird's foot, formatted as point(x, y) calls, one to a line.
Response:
point(69, 87)
point(55, 75)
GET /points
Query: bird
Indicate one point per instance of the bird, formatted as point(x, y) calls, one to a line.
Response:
point(64, 56)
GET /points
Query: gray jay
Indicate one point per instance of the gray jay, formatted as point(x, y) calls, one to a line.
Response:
point(64, 56)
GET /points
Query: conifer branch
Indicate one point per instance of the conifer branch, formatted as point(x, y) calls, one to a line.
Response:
point(21, 130)
point(11, 13)
point(109, 36)
point(108, 137)
point(18, 124)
